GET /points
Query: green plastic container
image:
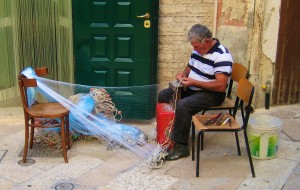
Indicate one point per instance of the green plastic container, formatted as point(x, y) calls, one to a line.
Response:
point(263, 134)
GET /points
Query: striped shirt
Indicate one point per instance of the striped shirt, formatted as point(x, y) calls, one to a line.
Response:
point(204, 67)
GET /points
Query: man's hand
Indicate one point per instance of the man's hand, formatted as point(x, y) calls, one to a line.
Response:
point(179, 75)
point(187, 82)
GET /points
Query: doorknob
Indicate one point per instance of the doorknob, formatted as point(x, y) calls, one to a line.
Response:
point(146, 15)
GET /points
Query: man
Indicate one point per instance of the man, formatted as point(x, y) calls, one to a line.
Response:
point(205, 78)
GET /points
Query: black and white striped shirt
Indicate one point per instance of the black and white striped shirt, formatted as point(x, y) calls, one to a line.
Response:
point(204, 67)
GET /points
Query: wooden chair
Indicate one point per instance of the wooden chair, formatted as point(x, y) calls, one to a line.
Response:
point(245, 92)
point(42, 110)
point(238, 71)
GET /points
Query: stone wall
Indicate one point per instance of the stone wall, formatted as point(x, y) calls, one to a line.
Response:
point(175, 19)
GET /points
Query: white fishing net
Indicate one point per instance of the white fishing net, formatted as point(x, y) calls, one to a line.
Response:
point(97, 111)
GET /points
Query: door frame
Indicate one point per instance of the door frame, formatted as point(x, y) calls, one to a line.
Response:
point(154, 44)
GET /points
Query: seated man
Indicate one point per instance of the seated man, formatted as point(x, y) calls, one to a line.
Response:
point(205, 78)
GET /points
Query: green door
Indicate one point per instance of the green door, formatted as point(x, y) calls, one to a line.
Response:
point(115, 44)
point(112, 46)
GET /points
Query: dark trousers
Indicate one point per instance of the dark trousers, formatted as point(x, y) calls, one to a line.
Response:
point(191, 102)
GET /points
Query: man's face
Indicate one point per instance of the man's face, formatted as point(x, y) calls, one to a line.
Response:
point(199, 47)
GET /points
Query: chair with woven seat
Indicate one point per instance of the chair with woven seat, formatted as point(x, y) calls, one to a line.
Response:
point(245, 91)
point(38, 111)
point(238, 71)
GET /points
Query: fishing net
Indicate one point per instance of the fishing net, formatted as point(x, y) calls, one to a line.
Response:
point(97, 111)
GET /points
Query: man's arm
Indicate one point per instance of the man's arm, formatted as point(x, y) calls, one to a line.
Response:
point(219, 85)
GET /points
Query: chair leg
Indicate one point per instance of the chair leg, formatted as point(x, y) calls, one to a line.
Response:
point(68, 132)
point(202, 141)
point(26, 142)
point(193, 141)
point(230, 112)
point(31, 134)
point(237, 142)
point(63, 137)
point(198, 153)
point(249, 154)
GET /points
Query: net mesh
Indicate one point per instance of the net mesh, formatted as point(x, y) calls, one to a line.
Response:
point(98, 111)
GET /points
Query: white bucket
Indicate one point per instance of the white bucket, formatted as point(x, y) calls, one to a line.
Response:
point(263, 135)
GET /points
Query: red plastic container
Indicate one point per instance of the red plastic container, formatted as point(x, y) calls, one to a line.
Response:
point(164, 120)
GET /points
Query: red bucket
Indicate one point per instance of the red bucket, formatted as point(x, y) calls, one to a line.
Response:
point(164, 121)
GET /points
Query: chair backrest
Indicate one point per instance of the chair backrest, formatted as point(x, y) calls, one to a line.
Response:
point(245, 91)
point(238, 71)
point(28, 94)
point(41, 71)
point(24, 84)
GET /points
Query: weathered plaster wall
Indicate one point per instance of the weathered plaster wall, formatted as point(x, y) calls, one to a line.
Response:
point(235, 23)
point(234, 27)
point(269, 47)
point(271, 26)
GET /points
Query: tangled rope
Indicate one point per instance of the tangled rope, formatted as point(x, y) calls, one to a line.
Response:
point(50, 138)
point(103, 103)
point(157, 157)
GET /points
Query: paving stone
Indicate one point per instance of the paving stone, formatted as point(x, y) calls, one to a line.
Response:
point(61, 172)
point(5, 184)
point(291, 128)
point(270, 174)
point(2, 154)
point(12, 171)
point(293, 181)
point(135, 179)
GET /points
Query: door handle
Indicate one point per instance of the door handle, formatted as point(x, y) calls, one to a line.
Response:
point(146, 15)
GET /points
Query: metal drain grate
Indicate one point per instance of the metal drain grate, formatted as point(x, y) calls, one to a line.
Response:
point(64, 186)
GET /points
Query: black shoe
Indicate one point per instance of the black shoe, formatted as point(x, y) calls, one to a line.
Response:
point(178, 151)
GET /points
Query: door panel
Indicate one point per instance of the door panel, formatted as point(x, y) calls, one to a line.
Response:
point(112, 46)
